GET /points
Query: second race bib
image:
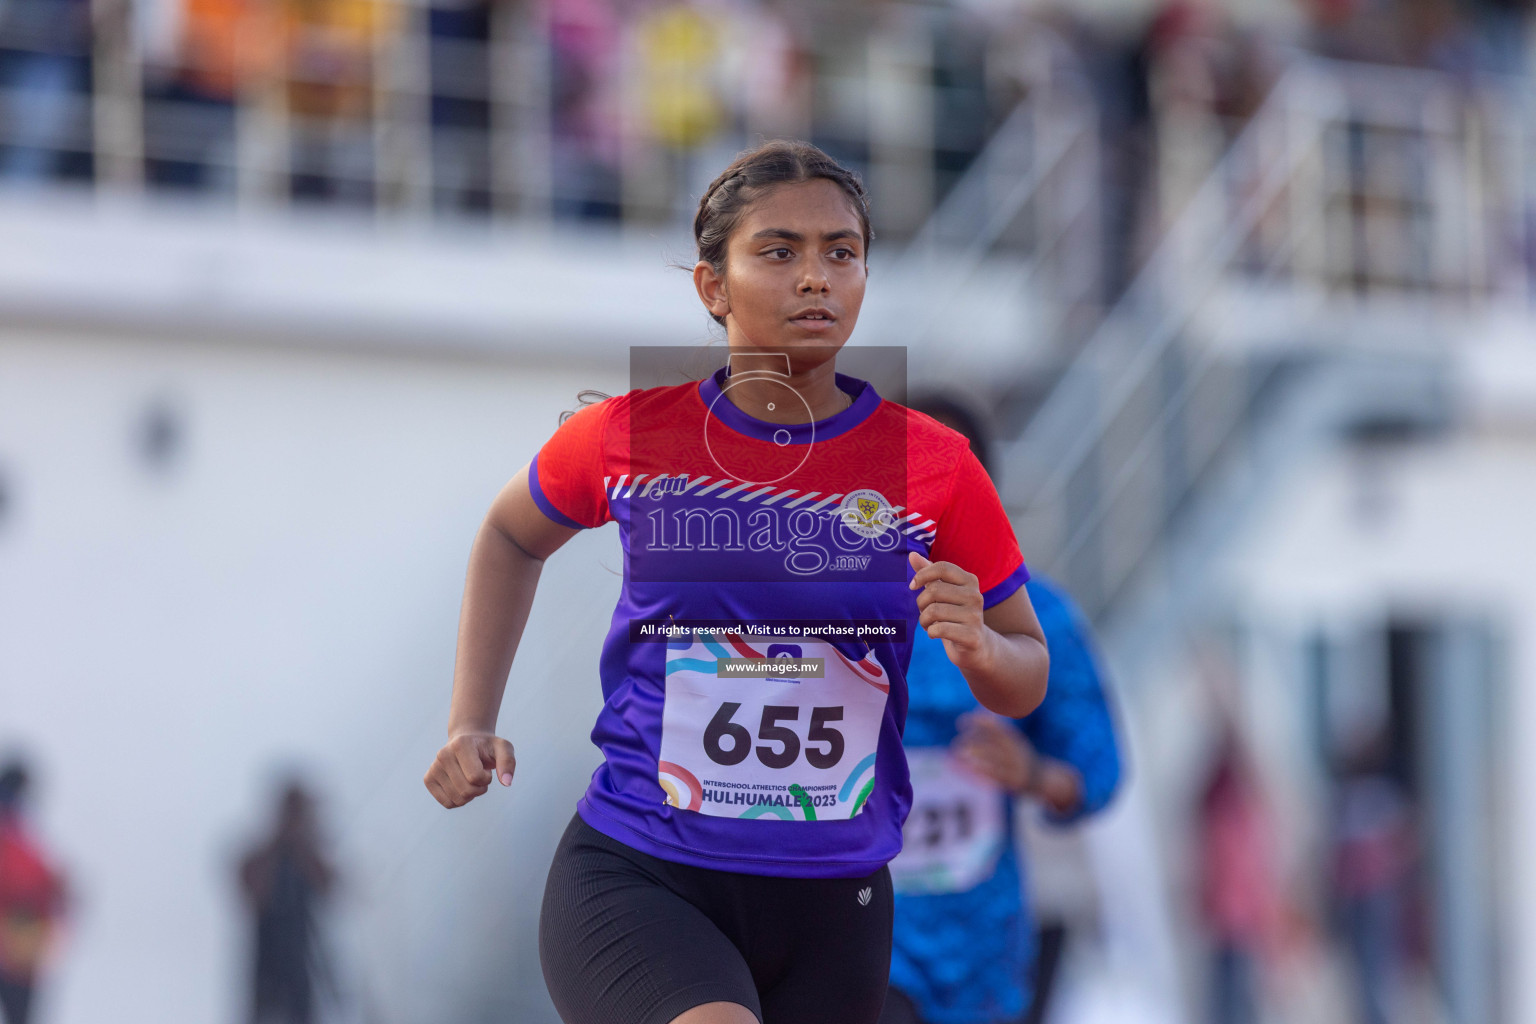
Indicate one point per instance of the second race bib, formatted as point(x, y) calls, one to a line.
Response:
point(739, 741)
point(957, 828)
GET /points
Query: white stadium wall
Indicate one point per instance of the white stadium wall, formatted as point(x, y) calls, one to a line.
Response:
point(280, 590)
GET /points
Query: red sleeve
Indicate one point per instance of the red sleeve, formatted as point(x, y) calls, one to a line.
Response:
point(974, 533)
point(567, 476)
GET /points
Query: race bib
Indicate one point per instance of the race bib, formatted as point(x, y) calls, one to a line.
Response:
point(956, 830)
point(740, 741)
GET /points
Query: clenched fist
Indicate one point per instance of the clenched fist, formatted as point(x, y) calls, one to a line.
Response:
point(950, 609)
point(465, 766)
point(993, 746)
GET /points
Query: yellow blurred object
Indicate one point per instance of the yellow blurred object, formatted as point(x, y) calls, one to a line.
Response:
point(330, 48)
point(680, 48)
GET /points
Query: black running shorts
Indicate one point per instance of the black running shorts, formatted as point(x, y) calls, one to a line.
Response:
point(627, 938)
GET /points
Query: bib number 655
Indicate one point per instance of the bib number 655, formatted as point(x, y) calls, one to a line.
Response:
point(770, 731)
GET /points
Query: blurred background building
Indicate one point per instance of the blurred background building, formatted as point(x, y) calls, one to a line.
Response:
point(288, 288)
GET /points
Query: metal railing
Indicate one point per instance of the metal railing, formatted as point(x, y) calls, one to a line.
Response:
point(507, 108)
point(1352, 188)
point(1031, 196)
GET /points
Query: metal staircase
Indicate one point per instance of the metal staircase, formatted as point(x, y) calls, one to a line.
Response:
point(1362, 221)
point(1017, 235)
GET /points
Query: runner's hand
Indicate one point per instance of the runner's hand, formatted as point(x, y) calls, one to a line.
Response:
point(464, 768)
point(950, 609)
point(990, 745)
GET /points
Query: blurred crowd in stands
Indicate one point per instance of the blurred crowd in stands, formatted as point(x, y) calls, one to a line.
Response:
point(615, 109)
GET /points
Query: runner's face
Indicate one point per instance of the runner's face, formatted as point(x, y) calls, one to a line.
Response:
point(795, 272)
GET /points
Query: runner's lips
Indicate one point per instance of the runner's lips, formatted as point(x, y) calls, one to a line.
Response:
point(817, 319)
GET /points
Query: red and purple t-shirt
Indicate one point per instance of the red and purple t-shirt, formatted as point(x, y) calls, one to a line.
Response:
point(747, 542)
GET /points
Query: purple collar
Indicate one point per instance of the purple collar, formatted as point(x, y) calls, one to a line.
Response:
point(865, 402)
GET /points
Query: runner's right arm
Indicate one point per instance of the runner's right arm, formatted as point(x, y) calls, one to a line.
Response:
point(1074, 727)
point(504, 567)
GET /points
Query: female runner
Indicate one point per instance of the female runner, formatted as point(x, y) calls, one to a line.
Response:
point(727, 863)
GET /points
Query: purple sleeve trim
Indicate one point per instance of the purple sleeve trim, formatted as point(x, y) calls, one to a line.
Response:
point(1004, 590)
point(542, 500)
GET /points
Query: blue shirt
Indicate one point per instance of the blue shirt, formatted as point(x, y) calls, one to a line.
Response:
point(964, 958)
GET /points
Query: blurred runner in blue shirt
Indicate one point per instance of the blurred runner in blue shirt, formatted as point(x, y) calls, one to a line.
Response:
point(964, 940)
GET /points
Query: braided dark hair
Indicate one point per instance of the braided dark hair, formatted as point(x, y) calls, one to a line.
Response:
point(781, 162)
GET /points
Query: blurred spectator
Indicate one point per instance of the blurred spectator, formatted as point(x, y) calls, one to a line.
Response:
point(331, 46)
point(1239, 899)
point(1117, 69)
point(1502, 39)
point(1422, 33)
point(1186, 58)
point(1351, 30)
point(31, 900)
point(680, 82)
point(963, 116)
point(285, 879)
point(584, 54)
point(45, 85)
point(679, 49)
point(460, 37)
point(1373, 854)
point(774, 73)
point(225, 48)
